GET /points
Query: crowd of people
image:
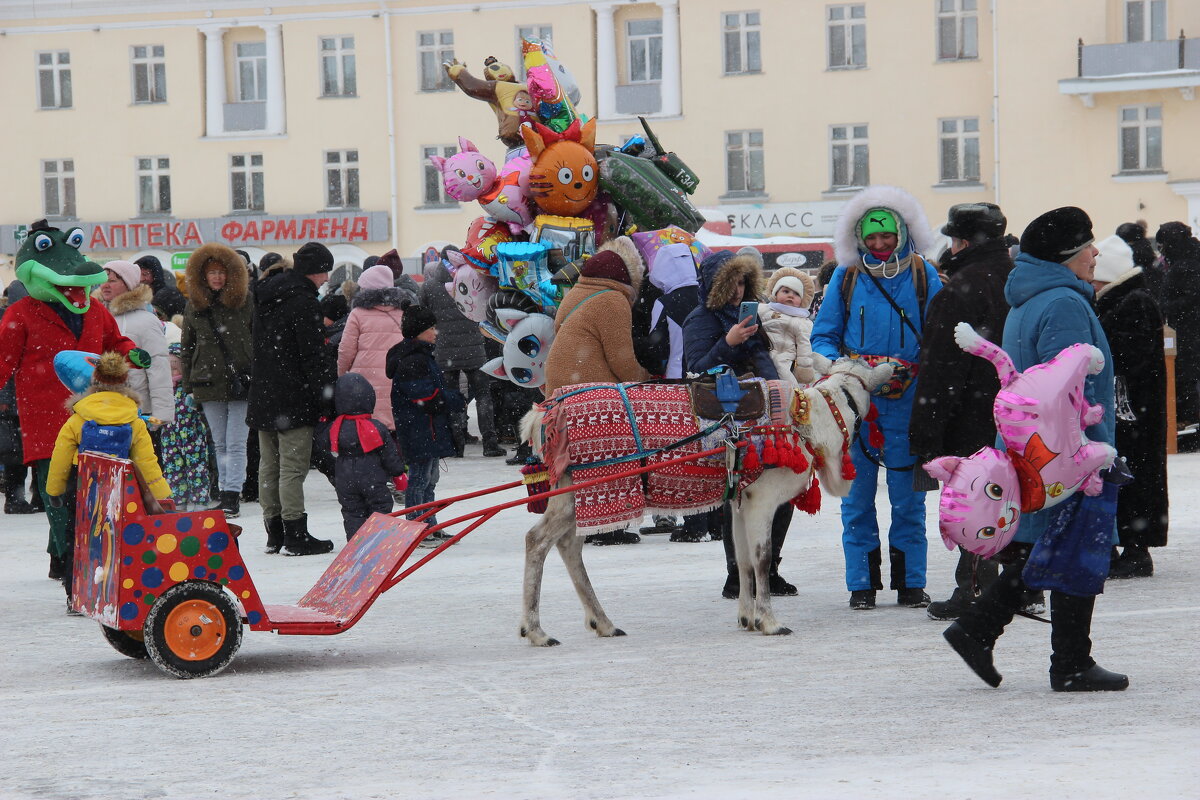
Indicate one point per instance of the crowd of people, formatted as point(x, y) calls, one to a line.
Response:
point(256, 374)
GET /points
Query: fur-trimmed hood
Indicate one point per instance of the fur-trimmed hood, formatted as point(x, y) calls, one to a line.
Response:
point(373, 298)
point(914, 225)
point(806, 281)
point(237, 277)
point(722, 273)
point(133, 300)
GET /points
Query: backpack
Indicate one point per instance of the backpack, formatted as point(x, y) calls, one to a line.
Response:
point(920, 283)
point(112, 440)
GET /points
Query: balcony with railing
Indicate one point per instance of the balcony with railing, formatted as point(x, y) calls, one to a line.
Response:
point(1134, 67)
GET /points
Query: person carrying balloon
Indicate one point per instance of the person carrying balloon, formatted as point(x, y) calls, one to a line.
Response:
point(874, 308)
point(1051, 299)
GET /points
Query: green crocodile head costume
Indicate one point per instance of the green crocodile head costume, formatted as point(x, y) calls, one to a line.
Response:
point(54, 271)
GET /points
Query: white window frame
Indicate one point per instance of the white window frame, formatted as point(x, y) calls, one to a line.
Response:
point(1152, 19)
point(257, 90)
point(1146, 121)
point(962, 18)
point(61, 173)
point(645, 42)
point(840, 20)
point(742, 149)
point(250, 168)
point(958, 133)
point(853, 136)
point(430, 57)
point(59, 68)
point(542, 32)
point(432, 176)
point(342, 179)
point(151, 61)
point(340, 56)
point(741, 28)
point(153, 172)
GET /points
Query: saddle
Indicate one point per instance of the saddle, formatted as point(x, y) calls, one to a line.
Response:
point(707, 402)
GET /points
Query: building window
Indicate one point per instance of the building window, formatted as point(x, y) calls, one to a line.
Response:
point(644, 37)
point(849, 158)
point(434, 49)
point(744, 172)
point(149, 73)
point(958, 29)
point(154, 185)
point(1141, 138)
point(58, 188)
point(1145, 20)
point(743, 52)
point(252, 71)
point(341, 179)
point(434, 192)
point(847, 36)
point(246, 182)
point(338, 78)
point(54, 79)
point(543, 33)
point(959, 140)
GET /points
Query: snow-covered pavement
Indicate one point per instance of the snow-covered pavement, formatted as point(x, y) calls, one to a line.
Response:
point(434, 695)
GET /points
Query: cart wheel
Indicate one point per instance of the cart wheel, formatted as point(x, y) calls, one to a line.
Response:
point(127, 643)
point(193, 630)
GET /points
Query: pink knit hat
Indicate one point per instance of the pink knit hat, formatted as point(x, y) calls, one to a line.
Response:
point(377, 277)
point(127, 271)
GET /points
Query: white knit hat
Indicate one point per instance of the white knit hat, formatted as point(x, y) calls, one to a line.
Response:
point(795, 284)
point(1114, 260)
point(127, 271)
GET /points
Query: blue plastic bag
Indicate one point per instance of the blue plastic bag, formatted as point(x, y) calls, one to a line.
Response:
point(1074, 553)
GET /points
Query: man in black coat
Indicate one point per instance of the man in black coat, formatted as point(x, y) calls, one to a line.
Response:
point(1134, 327)
point(291, 388)
point(1181, 306)
point(952, 410)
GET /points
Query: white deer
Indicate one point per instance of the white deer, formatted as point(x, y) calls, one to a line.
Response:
point(835, 407)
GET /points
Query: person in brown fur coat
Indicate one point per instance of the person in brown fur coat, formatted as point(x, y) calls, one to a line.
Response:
point(593, 341)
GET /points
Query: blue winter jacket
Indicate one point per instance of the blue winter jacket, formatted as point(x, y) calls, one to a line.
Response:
point(873, 327)
point(421, 403)
point(1052, 310)
point(704, 345)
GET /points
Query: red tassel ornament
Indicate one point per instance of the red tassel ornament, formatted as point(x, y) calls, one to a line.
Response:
point(874, 434)
point(750, 462)
point(800, 463)
point(810, 501)
point(848, 471)
point(770, 456)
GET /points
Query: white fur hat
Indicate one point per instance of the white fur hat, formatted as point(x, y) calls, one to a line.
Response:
point(795, 284)
point(1114, 260)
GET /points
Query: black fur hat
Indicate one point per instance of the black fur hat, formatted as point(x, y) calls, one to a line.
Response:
point(1058, 235)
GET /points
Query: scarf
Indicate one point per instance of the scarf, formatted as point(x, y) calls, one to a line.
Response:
point(791, 311)
point(368, 434)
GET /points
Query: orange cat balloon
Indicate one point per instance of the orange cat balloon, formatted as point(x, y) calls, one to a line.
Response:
point(564, 177)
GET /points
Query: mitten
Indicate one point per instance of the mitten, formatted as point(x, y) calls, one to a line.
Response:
point(139, 358)
point(400, 482)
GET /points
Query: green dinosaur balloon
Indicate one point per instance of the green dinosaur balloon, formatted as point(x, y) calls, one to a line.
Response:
point(54, 271)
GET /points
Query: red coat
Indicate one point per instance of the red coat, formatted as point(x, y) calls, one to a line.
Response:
point(31, 334)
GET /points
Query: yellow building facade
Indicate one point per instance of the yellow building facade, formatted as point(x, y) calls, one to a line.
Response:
point(156, 124)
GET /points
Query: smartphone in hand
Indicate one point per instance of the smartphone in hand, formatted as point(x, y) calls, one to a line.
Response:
point(748, 310)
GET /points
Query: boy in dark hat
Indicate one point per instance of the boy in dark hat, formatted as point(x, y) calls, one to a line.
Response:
point(1051, 298)
point(421, 406)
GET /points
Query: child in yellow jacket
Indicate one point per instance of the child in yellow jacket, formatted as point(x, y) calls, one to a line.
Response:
point(104, 419)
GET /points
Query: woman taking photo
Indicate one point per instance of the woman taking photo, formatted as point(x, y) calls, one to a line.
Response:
point(215, 351)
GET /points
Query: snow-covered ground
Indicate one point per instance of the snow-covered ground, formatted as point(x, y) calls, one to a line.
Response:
point(433, 694)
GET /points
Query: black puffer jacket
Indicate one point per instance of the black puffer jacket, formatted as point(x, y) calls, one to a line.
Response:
point(952, 410)
point(1181, 306)
point(1134, 327)
point(293, 370)
point(459, 342)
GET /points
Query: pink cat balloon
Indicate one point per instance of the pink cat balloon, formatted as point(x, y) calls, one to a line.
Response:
point(467, 174)
point(508, 199)
point(1041, 414)
point(980, 503)
point(471, 289)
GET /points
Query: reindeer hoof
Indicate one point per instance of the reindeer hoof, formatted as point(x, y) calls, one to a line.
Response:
point(556, 642)
point(744, 622)
point(523, 632)
point(782, 632)
point(618, 632)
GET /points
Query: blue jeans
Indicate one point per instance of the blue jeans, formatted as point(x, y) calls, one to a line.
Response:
point(422, 479)
point(227, 421)
point(860, 527)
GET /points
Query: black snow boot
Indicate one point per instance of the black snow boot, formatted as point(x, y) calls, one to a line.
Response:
point(14, 492)
point(297, 541)
point(274, 534)
point(230, 503)
point(780, 587)
point(977, 655)
point(523, 452)
point(912, 598)
point(1095, 679)
point(1134, 562)
point(862, 599)
point(949, 610)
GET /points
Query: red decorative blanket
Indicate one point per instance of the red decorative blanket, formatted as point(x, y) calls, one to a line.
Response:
point(594, 426)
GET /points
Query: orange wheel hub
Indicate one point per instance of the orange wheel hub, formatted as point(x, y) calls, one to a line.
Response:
point(195, 630)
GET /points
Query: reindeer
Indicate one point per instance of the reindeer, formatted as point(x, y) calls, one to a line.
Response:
point(835, 407)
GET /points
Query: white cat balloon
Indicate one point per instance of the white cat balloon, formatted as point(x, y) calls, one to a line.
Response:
point(527, 340)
